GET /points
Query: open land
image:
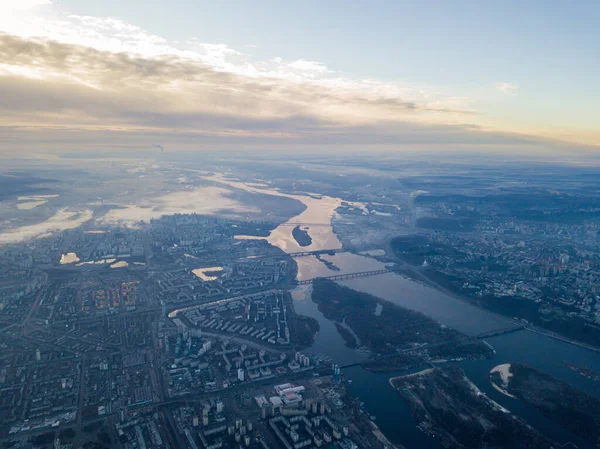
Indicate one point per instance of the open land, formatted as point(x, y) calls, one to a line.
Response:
point(149, 354)
point(450, 407)
point(572, 408)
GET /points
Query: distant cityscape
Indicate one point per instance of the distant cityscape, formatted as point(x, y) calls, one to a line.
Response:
point(229, 330)
point(110, 342)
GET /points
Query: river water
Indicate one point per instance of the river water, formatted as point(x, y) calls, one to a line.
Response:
point(319, 210)
point(392, 414)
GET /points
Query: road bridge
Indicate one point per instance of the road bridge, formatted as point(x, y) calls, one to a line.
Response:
point(481, 336)
point(339, 277)
point(316, 252)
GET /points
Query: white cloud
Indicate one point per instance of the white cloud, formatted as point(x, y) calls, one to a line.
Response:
point(63, 219)
point(309, 66)
point(507, 88)
point(97, 74)
point(202, 200)
point(15, 15)
point(117, 77)
point(115, 35)
point(21, 5)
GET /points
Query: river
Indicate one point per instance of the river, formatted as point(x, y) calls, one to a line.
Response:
point(319, 211)
point(392, 413)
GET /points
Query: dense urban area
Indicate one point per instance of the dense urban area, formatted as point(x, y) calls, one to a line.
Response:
point(174, 335)
point(183, 329)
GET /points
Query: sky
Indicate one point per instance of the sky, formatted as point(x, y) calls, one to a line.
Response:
point(504, 75)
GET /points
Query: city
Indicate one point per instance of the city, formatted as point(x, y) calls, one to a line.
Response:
point(178, 334)
point(191, 330)
point(299, 224)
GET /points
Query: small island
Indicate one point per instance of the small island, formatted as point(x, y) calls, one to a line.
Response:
point(301, 236)
point(327, 263)
point(448, 406)
point(572, 408)
point(397, 337)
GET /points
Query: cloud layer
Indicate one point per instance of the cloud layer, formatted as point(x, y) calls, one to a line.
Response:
point(95, 82)
point(52, 86)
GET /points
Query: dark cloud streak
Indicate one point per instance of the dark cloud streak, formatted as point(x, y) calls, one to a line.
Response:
point(78, 93)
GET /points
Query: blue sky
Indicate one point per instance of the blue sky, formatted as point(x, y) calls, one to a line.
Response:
point(509, 67)
point(451, 42)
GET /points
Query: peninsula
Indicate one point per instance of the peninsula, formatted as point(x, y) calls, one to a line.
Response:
point(568, 406)
point(448, 406)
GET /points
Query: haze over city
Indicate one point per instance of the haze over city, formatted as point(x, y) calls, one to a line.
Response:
point(285, 225)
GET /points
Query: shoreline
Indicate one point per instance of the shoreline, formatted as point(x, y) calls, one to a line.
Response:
point(410, 273)
point(503, 371)
point(406, 376)
point(381, 437)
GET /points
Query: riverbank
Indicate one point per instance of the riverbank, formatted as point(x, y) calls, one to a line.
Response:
point(568, 406)
point(319, 210)
point(451, 408)
point(382, 438)
point(387, 329)
point(392, 413)
point(393, 380)
point(417, 275)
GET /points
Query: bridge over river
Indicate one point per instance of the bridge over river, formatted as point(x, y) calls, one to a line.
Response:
point(488, 334)
point(339, 277)
point(316, 252)
point(310, 225)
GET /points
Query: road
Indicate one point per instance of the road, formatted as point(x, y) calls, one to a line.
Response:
point(80, 401)
point(26, 321)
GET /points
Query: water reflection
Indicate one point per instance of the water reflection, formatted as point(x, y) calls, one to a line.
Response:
point(309, 267)
point(319, 211)
point(328, 341)
point(433, 303)
point(392, 413)
point(69, 258)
